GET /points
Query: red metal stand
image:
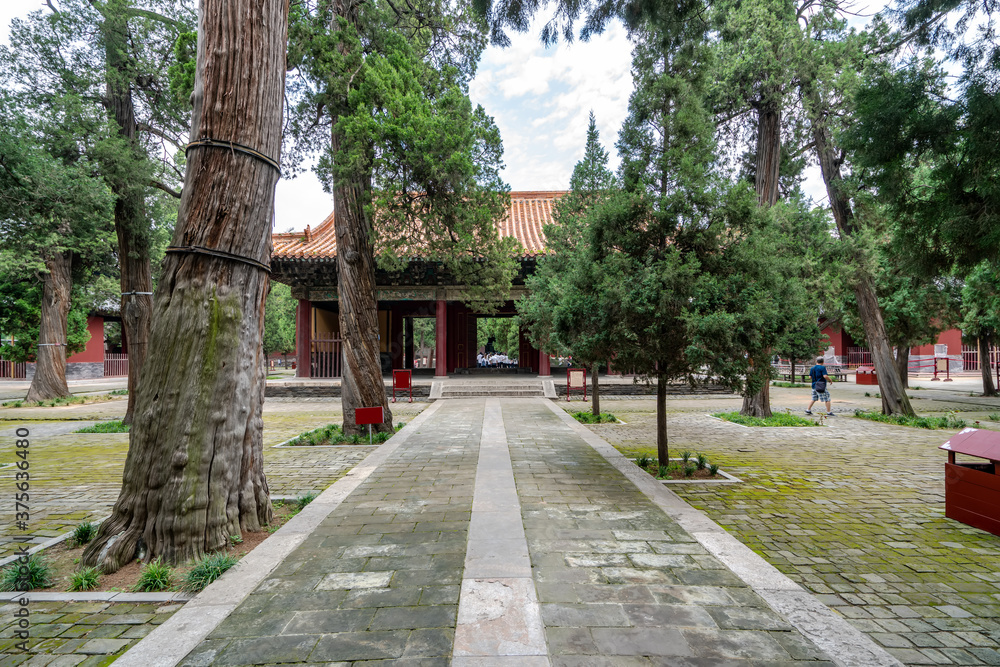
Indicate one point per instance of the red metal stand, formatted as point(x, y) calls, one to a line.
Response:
point(402, 380)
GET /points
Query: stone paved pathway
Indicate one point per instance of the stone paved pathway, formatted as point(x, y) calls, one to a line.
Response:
point(618, 582)
point(77, 476)
point(854, 513)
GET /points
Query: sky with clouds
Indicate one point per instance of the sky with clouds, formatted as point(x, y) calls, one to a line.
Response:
point(540, 99)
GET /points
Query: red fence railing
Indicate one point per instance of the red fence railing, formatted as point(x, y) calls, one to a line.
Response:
point(13, 370)
point(858, 356)
point(970, 357)
point(326, 358)
point(115, 364)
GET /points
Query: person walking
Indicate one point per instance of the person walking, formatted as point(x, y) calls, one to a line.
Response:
point(820, 382)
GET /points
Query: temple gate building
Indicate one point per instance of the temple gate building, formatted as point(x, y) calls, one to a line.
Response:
point(307, 262)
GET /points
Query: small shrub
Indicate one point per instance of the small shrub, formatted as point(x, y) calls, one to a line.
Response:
point(83, 533)
point(663, 471)
point(994, 416)
point(207, 570)
point(643, 461)
point(235, 539)
point(949, 421)
point(868, 394)
point(585, 417)
point(155, 576)
point(689, 469)
point(84, 580)
point(713, 469)
point(305, 499)
point(702, 461)
point(26, 575)
point(400, 425)
point(685, 456)
point(113, 426)
point(777, 419)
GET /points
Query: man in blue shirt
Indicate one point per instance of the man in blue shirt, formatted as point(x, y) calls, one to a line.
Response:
point(820, 382)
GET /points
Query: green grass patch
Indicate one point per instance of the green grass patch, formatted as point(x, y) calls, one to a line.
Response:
point(113, 426)
point(118, 392)
point(585, 417)
point(948, 422)
point(207, 570)
point(777, 419)
point(331, 434)
point(26, 575)
point(85, 579)
point(789, 385)
point(155, 576)
point(994, 416)
point(55, 402)
point(83, 533)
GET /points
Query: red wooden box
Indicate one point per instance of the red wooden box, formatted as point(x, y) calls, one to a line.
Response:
point(866, 375)
point(972, 490)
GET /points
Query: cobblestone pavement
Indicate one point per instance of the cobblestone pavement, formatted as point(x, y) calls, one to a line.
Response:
point(78, 634)
point(618, 582)
point(854, 512)
point(77, 476)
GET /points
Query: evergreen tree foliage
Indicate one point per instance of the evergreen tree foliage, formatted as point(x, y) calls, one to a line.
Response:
point(565, 311)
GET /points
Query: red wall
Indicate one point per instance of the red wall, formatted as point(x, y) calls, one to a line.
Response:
point(95, 346)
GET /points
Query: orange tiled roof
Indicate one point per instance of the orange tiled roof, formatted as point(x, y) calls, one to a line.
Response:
point(528, 213)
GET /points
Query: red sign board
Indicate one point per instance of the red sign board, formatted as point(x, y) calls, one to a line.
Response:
point(368, 416)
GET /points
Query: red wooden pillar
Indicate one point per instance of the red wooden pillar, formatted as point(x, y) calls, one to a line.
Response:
point(441, 340)
point(544, 370)
point(303, 339)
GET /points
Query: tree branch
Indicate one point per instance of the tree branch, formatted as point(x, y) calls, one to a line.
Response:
point(166, 188)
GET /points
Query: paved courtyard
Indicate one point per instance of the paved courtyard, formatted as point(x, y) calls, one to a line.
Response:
point(854, 512)
point(603, 571)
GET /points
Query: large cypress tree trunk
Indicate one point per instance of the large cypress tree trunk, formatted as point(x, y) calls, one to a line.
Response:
point(662, 446)
point(903, 365)
point(768, 165)
point(984, 365)
point(50, 361)
point(131, 225)
point(894, 399)
point(361, 385)
point(194, 472)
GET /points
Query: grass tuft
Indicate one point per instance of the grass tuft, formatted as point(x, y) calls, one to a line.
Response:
point(84, 580)
point(83, 533)
point(585, 417)
point(155, 576)
point(113, 426)
point(948, 422)
point(994, 416)
point(26, 575)
point(305, 499)
point(777, 419)
point(207, 570)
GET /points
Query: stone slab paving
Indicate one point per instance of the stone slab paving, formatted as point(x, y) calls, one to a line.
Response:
point(854, 512)
point(76, 477)
point(84, 634)
point(417, 563)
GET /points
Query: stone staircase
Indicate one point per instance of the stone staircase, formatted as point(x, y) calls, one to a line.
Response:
point(507, 388)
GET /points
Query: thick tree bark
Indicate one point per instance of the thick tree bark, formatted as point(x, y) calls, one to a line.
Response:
point(595, 394)
point(662, 446)
point(131, 225)
point(361, 385)
point(984, 366)
point(903, 365)
point(50, 360)
point(194, 473)
point(768, 165)
point(894, 399)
